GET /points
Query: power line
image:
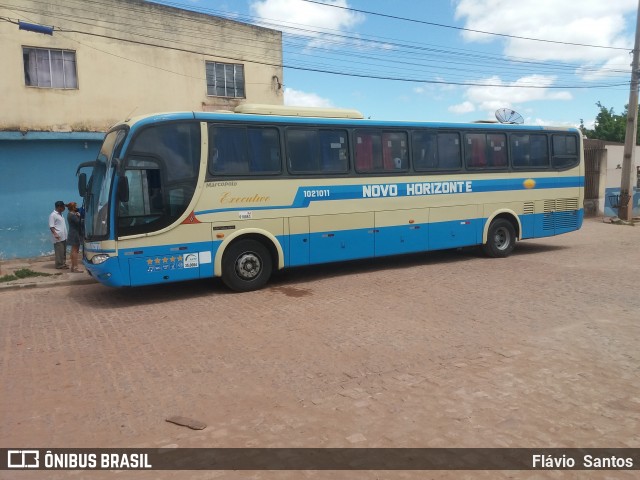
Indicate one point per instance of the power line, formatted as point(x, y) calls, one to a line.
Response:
point(382, 41)
point(476, 59)
point(464, 29)
point(313, 68)
point(356, 75)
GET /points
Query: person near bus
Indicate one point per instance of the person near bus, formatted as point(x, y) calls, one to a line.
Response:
point(58, 228)
point(73, 239)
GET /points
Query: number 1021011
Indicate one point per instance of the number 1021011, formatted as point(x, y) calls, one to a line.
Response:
point(317, 193)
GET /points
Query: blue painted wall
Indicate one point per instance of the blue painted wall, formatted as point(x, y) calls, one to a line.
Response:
point(36, 169)
point(610, 194)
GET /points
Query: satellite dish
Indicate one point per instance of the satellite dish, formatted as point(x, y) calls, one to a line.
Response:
point(506, 115)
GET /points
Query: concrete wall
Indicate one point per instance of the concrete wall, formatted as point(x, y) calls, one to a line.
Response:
point(132, 58)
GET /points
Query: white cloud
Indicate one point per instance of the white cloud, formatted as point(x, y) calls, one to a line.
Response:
point(305, 19)
point(464, 107)
point(435, 91)
point(591, 22)
point(496, 94)
point(298, 98)
point(549, 123)
point(594, 72)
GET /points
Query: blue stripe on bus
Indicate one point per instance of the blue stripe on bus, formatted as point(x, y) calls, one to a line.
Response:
point(340, 245)
point(157, 264)
point(306, 195)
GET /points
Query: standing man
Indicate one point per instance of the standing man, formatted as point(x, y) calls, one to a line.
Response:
point(58, 229)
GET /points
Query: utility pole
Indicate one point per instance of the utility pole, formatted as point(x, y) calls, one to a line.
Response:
point(628, 181)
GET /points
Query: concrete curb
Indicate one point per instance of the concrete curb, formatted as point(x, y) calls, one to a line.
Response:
point(44, 265)
point(60, 283)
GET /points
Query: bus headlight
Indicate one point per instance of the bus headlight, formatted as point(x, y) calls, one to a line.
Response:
point(98, 259)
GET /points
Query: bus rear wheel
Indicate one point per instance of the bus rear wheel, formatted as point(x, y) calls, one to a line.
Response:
point(246, 266)
point(501, 239)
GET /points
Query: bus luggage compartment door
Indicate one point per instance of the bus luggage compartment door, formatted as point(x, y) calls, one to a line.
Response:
point(298, 241)
point(452, 227)
point(401, 231)
point(341, 237)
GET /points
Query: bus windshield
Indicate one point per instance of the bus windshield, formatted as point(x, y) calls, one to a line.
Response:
point(161, 169)
point(97, 203)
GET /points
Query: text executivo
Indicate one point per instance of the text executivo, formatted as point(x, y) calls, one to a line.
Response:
point(412, 189)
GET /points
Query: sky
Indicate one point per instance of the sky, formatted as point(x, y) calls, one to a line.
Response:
point(449, 60)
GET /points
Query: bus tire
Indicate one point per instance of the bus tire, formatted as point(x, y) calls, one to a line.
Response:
point(501, 239)
point(246, 265)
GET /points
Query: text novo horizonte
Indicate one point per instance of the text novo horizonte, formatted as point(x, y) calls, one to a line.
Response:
point(412, 189)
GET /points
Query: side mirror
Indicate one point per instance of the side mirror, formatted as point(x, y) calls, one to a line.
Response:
point(82, 184)
point(123, 189)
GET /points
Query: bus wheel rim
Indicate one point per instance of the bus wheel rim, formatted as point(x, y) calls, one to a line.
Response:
point(501, 239)
point(248, 266)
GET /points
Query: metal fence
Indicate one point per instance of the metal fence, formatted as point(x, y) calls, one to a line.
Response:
point(593, 152)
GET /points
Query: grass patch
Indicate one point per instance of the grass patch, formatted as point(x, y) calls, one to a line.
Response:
point(22, 273)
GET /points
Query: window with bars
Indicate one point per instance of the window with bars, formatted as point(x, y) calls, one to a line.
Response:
point(225, 79)
point(49, 68)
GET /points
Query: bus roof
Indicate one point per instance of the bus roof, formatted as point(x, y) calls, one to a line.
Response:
point(286, 111)
point(326, 116)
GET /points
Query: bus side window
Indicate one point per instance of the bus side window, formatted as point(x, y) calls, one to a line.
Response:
point(228, 154)
point(520, 156)
point(476, 150)
point(394, 151)
point(529, 151)
point(565, 151)
point(449, 151)
point(317, 151)
point(302, 150)
point(145, 203)
point(264, 150)
point(381, 152)
point(154, 183)
point(244, 151)
point(497, 150)
point(334, 151)
point(539, 148)
point(364, 152)
point(425, 150)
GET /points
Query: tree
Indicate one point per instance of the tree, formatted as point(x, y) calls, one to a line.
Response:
point(608, 125)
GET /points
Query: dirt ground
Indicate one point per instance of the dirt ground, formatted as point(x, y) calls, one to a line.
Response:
point(445, 349)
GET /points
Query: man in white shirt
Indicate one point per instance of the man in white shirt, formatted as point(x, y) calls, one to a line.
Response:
point(58, 228)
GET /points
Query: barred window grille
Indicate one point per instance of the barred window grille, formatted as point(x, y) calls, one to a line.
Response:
point(49, 68)
point(225, 79)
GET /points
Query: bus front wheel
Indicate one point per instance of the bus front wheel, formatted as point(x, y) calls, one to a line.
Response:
point(246, 266)
point(501, 239)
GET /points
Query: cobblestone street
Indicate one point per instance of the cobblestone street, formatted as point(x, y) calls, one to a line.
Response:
point(445, 349)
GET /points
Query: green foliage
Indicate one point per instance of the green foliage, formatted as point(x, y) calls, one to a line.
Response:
point(608, 125)
point(23, 273)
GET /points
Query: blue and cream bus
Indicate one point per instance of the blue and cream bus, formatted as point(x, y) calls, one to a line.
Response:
point(181, 196)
